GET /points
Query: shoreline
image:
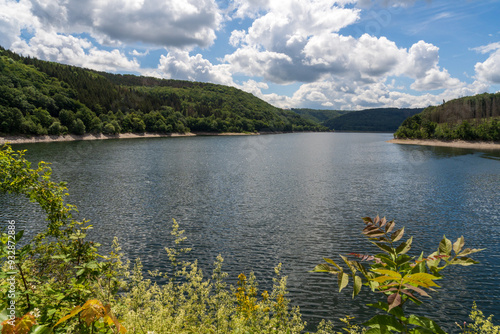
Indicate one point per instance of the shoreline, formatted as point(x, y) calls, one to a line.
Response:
point(480, 145)
point(49, 138)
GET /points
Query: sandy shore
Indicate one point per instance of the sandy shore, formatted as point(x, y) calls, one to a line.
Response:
point(44, 139)
point(456, 143)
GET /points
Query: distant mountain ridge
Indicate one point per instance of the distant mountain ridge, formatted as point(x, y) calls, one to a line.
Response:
point(367, 120)
point(371, 120)
point(40, 97)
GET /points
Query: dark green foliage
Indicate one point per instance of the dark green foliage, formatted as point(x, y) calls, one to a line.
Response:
point(34, 94)
point(469, 118)
point(380, 120)
point(319, 115)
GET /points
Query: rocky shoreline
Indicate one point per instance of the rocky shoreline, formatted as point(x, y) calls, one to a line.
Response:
point(45, 139)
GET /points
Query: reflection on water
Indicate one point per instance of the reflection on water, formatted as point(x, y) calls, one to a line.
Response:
point(294, 198)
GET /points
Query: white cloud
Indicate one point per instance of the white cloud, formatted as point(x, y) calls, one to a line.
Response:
point(435, 79)
point(487, 48)
point(75, 51)
point(270, 65)
point(237, 37)
point(139, 54)
point(248, 8)
point(489, 70)
point(335, 93)
point(14, 16)
point(186, 23)
point(166, 23)
point(179, 64)
point(292, 20)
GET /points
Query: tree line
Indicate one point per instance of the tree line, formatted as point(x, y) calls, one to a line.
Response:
point(469, 118)
point(40, 97)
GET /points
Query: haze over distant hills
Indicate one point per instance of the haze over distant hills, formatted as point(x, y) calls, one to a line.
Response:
point(370, 120)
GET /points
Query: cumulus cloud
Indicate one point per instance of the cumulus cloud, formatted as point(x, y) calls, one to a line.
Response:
point(169, 23)
point(72, 50)
point(338, 94)
point(166, 23)
point(299, 41)
point(180, 65)
point(14, 16)
point(489, 70)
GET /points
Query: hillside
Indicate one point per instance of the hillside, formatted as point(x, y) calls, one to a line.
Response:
point(319, 115)
point(40, 97)
point(467, 118)
point(376, 120)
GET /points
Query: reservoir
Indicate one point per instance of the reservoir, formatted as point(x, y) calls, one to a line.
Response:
point(288, 198)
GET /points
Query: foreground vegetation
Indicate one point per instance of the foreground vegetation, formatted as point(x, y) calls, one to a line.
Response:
point(58, 282)
point(40, 97)
point(469, 118)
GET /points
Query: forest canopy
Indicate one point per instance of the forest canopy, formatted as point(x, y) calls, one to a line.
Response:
point(40, 97)
point(467, 118)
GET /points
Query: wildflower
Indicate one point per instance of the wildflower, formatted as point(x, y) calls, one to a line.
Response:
point(35, 312)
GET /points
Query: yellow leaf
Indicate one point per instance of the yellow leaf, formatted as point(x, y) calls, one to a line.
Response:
point(382, 279)
point(393, 274)
point(421, 279)
point(24, 326)
point(73, 312)
point(92, 310)
point(7, 327)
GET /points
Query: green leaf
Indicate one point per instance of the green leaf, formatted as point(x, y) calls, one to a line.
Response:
point(41, 330)
point(358, 283)
point(349, 264)
point(425, 323)
point(385, 323)
point(402, 259)
point(385, 248)
point(434, 262)
point(4, 315)
point(19, 235)
point(343, 280)
point(458, 245)
point(92, 265)
point(464, 261)
point(390, 226)
point(387, 260)
point(404, 247)
point(396, 236)
point(324, 268)
point(445, 246)
point(332, 262)
point(469, 251)
point(397, 312)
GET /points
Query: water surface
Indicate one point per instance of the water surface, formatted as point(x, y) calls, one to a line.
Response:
point(291, 198)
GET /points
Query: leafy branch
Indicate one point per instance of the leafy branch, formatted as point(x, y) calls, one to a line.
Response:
point(400, 277)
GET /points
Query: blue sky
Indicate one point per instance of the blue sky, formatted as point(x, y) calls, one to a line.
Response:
point(346, 54)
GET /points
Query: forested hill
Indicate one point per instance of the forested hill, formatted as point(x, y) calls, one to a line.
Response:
point(40, 97)
point(467, 118)
point(373, 120)
point(319, 115)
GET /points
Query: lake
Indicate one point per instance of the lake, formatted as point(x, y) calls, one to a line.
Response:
point(289, 198)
